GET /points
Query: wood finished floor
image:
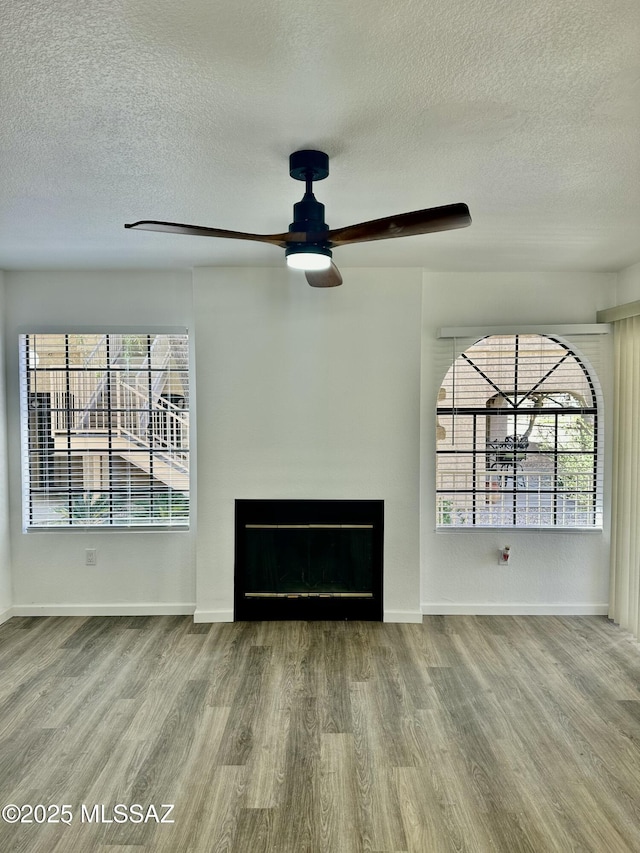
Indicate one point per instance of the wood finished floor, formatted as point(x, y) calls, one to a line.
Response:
point(462, 734)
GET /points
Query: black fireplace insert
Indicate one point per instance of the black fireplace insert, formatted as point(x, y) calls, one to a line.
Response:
point(308, 559)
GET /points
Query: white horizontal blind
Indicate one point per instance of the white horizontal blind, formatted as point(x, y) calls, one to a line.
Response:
point(105, 430)
point(517, 434)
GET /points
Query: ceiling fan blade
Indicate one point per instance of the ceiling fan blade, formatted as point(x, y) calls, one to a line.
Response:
point(324, 278)
point(199, 230)
point(444, 218)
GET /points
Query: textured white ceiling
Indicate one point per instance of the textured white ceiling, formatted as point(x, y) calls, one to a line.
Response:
point(187, 110)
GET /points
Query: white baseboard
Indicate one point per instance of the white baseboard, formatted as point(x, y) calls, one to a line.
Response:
point(515, 609)
point(401, 616)
point(102, 609)
point(213, 616)
point(407, 616)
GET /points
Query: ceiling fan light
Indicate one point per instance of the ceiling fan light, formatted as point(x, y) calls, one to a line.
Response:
point(308, 258)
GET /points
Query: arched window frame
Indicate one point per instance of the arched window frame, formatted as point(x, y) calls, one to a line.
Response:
point(496, 469)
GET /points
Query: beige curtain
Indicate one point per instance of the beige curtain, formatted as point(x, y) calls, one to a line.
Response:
point(624, 594)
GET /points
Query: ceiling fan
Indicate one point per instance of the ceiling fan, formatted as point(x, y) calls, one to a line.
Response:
point(309, 241)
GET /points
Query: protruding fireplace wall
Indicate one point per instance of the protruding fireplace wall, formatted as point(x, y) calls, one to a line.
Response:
point(310, 394)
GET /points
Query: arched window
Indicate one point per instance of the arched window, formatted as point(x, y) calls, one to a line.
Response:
point(517, 437)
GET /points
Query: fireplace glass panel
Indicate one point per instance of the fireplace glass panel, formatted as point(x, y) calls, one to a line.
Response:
point(309, 559)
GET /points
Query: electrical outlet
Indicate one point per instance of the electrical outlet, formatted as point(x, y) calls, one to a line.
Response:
point(90, 557)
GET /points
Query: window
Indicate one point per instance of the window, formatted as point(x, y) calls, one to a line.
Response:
point(517, 437)
point(105, 430)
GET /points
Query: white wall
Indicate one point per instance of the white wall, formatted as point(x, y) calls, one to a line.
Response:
point(6, 599)
point(307, 393)
point(628, 285)
point(549, 571)
point(137, 572)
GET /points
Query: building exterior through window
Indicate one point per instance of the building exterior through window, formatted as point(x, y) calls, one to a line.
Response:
point(105, 430)
point(517, 437)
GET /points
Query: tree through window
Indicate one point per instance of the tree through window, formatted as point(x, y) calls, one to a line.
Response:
point(517, 437)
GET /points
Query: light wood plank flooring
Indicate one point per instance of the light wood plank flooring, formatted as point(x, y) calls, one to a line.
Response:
point(462, 734)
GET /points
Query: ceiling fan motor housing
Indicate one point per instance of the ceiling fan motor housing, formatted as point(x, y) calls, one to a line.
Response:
point(308, 215)
point(308, 218)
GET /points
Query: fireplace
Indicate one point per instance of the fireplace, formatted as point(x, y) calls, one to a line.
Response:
point(308, 559)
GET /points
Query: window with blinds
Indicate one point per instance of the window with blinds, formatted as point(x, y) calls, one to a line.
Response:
point(517, 437)
point(105, 430)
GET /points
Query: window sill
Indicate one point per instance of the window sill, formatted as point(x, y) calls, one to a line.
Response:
point(98, 528)
point(554, 530)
